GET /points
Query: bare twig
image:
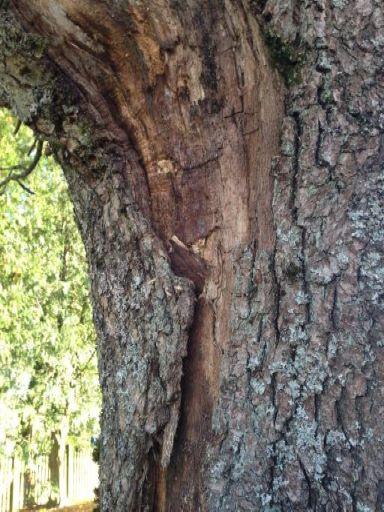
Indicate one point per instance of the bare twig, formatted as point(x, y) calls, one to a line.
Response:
point(25, 170)
point(17, 127)
point(32, 147)
point(24, 187)
point(80, 370)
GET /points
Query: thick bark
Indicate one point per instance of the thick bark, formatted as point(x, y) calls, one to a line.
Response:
point(236, 274)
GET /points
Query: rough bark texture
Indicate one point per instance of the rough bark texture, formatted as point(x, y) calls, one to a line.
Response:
point(225, 162)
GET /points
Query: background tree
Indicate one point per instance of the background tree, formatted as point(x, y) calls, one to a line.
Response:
point(225, 163)
point(48, 378)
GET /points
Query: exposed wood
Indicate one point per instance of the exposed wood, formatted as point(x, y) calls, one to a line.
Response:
point(233, 230)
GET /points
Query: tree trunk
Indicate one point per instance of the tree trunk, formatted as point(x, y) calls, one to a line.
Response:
point(225, 163)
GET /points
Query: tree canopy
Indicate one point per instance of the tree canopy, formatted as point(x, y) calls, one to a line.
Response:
point(48, 374)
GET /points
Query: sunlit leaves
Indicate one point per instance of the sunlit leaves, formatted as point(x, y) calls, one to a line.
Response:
point(48, 374)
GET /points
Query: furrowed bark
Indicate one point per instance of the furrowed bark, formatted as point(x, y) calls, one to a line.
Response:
point(221, 207)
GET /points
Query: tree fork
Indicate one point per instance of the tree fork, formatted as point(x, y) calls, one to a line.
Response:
point(219, 210)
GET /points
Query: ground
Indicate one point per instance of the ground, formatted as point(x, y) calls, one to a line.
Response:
point(83, 507)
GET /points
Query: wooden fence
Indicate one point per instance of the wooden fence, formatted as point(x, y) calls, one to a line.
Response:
point(68, 481)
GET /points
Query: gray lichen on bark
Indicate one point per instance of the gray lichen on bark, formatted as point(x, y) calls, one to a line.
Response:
point(142, 311)
point(142, 314)
point(300, 417)
point(286, 354)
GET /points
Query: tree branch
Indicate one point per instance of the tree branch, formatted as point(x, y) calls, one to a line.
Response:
point(17, 128)
point(25, 170)
point(80, 369)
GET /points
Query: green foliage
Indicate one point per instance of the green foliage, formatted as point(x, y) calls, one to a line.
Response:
point(48, 375)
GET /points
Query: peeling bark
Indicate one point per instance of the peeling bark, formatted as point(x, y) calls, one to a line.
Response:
point(225, 164)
